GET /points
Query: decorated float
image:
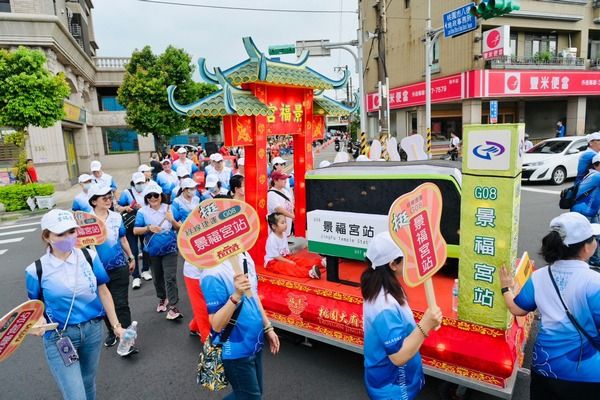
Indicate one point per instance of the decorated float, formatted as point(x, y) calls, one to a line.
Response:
point(341, 207)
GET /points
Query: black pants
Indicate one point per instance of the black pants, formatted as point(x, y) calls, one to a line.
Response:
point(133, 241)
point(164, 276)
point(543, 388)
point(119, 290)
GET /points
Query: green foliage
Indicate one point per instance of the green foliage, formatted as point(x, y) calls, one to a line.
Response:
point(144, 93)
point(14, 197)
point(29, 93)
point(543, 56)
point(21, 167)
point(355, 126)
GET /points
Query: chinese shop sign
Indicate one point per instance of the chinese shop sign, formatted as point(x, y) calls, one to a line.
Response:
point(342, 234)
point(91, 231)
point(414, 224)
point(15, 325)
point(490, 205)
point(288, 112)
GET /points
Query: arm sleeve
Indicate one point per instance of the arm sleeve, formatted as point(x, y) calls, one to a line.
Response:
point(391, 330)
point(98, 268)
point(31, 283)
point(176, 211)
point(271, 249)
point(194, 169)
point(124, 199)
point(140, 222)
point(75, 206)
point(215, 293)
point(122, 230)
point(113, 184)
point(593, 296)
point(526, 297)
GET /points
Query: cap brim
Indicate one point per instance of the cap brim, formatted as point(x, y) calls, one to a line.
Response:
point(62, 227)
point(595, 229)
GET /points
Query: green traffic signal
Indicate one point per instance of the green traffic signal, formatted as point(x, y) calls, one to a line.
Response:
point(493, 8)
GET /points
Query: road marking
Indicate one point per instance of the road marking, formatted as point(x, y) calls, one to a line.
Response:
point(18, 225)
point(15, 240)
point(17, 232)
point(527, 189)
point(3, 251)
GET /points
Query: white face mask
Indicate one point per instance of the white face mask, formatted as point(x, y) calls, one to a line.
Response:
point(140, 187)
point(87, 186)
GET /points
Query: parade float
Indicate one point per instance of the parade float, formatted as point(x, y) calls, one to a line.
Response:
point(340, 208)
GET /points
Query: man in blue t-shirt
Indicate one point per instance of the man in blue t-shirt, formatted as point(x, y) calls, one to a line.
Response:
point(588, 201)
point(560, 129)
point(585, 160)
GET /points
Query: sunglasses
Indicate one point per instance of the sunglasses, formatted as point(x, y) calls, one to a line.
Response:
point(69, 232)
point(152, 196)
point(219, 161)
point(106, 197)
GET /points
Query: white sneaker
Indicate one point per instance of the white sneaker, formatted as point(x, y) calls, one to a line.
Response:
point(136, 283)
point(146, 275)
point(324, 262)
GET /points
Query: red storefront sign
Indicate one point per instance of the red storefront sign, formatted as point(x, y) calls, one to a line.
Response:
point(288, 110)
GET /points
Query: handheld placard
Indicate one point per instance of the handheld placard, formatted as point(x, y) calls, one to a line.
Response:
point(218, 230)
point(414, 224)
point(91, 231)
point(15, 325)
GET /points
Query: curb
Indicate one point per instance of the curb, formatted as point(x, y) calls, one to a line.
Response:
point(10, 216)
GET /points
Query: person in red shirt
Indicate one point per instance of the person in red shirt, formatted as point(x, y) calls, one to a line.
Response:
point(32, 176)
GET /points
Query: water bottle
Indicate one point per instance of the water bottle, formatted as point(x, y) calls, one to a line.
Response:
point(455, 296)
point(128, 339)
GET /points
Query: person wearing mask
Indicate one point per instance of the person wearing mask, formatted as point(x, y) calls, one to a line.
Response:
point(155, 222)
point(100, 177)
point(279, 200)
point(212, 188)
point(236, 188)
point(566, 352)
point(527, 145)
point(585, 159)
point(81, 201)
point(182, 206)
point(222, 172)
point(116, 257)
point(147, 171)
point(183, 161)
point(182, 173)
point(131, 201)
point(392, 338)
point(560, 129)
point(72, 285)
point(167, 179)
point(242, 352)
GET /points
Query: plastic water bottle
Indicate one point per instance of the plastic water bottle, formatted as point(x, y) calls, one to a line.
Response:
point(128, 339)
point(455, 296)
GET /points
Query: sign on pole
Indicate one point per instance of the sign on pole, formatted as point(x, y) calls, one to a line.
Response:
point(414, 224)
point(315, 47)
point(15, 325)
point(459, 21)
point(282, 49)
point(493, 111)
point(91, 231)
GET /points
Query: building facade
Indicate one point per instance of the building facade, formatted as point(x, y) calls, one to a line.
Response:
point(94, 127)
point(550, 72)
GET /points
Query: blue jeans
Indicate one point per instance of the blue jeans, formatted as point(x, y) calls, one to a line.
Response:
point(77, 381)
point(245, 376)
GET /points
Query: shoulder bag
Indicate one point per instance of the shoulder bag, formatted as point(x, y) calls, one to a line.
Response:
point(161, 243)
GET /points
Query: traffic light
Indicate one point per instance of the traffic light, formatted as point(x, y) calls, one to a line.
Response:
point(493, 8)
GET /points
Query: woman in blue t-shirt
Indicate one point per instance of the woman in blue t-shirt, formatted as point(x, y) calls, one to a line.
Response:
point(75, 295)
point(224, 293)
point(393, 367)
point(565, 361)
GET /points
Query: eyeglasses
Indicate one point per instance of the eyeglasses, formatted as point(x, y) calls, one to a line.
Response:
point(152, 196)
point(220, 161)
point(106, 197)
point(69, 232)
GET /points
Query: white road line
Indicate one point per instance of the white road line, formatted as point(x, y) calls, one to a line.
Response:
point(18, 225)
point(16, 232)
point(3, 251)
point(528, 189)
point(14, 240)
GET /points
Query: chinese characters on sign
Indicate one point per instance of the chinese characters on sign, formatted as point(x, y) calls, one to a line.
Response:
point(91, 230)
point(287, 111)
point(459, 21)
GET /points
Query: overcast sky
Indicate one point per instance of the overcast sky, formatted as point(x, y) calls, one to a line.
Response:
point(124, 25)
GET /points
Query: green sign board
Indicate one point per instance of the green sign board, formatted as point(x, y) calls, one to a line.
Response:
point(282, 49)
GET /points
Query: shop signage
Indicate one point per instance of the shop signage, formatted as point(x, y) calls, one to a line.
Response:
point(496, 42)
point(490, 206)
point(74, 113)
point(493, 111)
point(343, 234)
point(459, 21)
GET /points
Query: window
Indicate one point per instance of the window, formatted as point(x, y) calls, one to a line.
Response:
point(406, 3)
point(4, 5)
point(539, 43)
point(120, 140)
point(110, 103)
point(513, 44)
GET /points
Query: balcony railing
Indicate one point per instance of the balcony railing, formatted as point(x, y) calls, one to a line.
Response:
point(111, 62)
point(511, 62)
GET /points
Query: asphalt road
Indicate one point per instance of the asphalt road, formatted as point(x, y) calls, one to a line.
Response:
point(165, 366)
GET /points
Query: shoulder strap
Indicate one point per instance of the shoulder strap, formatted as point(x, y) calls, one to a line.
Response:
point(39, 271)
point(88, 257)
point(570, 316)
point(281, 194)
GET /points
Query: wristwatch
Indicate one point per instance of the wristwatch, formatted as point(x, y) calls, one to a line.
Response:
point(130, 258)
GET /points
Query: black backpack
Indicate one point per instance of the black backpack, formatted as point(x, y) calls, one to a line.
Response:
point(569, 197)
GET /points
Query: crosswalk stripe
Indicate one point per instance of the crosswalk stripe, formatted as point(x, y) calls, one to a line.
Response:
point(18, 225)
point(527, 189)
point(3, 251)
point(13, 240)
point(17, 232)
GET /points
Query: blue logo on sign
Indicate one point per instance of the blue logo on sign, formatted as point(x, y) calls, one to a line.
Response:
point(488, 150)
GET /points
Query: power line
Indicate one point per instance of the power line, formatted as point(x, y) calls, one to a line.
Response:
point(278, 10)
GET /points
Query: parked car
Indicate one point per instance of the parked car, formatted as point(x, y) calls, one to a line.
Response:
point(554, 159)
point(188, 147)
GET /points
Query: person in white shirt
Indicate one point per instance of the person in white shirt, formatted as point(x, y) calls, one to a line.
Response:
point(278, 164)
point(80, 202)
point(279, 200)
point(222, 172)
point(528, 144)
point(147, 171)
point(184, 161)
point(167, 178)
point(100, 177)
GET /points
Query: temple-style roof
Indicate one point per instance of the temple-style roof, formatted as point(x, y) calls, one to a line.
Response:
point(323, 105)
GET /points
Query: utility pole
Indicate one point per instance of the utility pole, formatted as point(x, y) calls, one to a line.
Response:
point(428, 79)
point(384, 113)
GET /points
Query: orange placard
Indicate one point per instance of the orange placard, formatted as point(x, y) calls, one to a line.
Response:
point(91, 231)
point(217, 230)
point(414, 224)
point(15, 325)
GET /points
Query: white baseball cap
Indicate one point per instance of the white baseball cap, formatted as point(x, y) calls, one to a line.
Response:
point(98, 190)
point(95, 166)
point(182, 171)
point(216, 157)
point(596, 159)
point(85, 178)
point(211, 181)
point(144, 168)
point(324, 164)
point(182, 150)
point(277, 160)
point(382, 250)
point(151, 188)
point(593, 136)
point(165, 161)
point(58, 221)
point(241, 162)
point(574, 228)
point(188, 183)
point(138, 177)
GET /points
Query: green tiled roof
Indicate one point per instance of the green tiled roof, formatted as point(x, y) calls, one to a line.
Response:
point(245, 104)
point(326, 106)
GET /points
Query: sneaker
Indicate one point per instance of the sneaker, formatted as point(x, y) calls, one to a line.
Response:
point(136, 283)
point(146, 275)
point(174, 313)
point(162, 305)
point(194, 333)
point(324, 262)
point(110, 340)
point(314, 272)
point(132, 350)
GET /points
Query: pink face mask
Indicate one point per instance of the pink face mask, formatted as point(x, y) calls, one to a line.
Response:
point(65, 245)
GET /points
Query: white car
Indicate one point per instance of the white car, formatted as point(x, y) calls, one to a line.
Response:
point(554, 159)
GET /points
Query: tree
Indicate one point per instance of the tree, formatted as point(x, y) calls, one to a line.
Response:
point(29, 95)
point(144, 93)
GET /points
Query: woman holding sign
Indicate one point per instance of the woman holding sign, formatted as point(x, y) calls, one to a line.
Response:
point(393, 367)
point(566, 353)
point(72, 285)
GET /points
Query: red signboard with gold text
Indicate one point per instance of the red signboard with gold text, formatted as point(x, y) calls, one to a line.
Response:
point(15, 325)
point(288, 108)
point(91, 231)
